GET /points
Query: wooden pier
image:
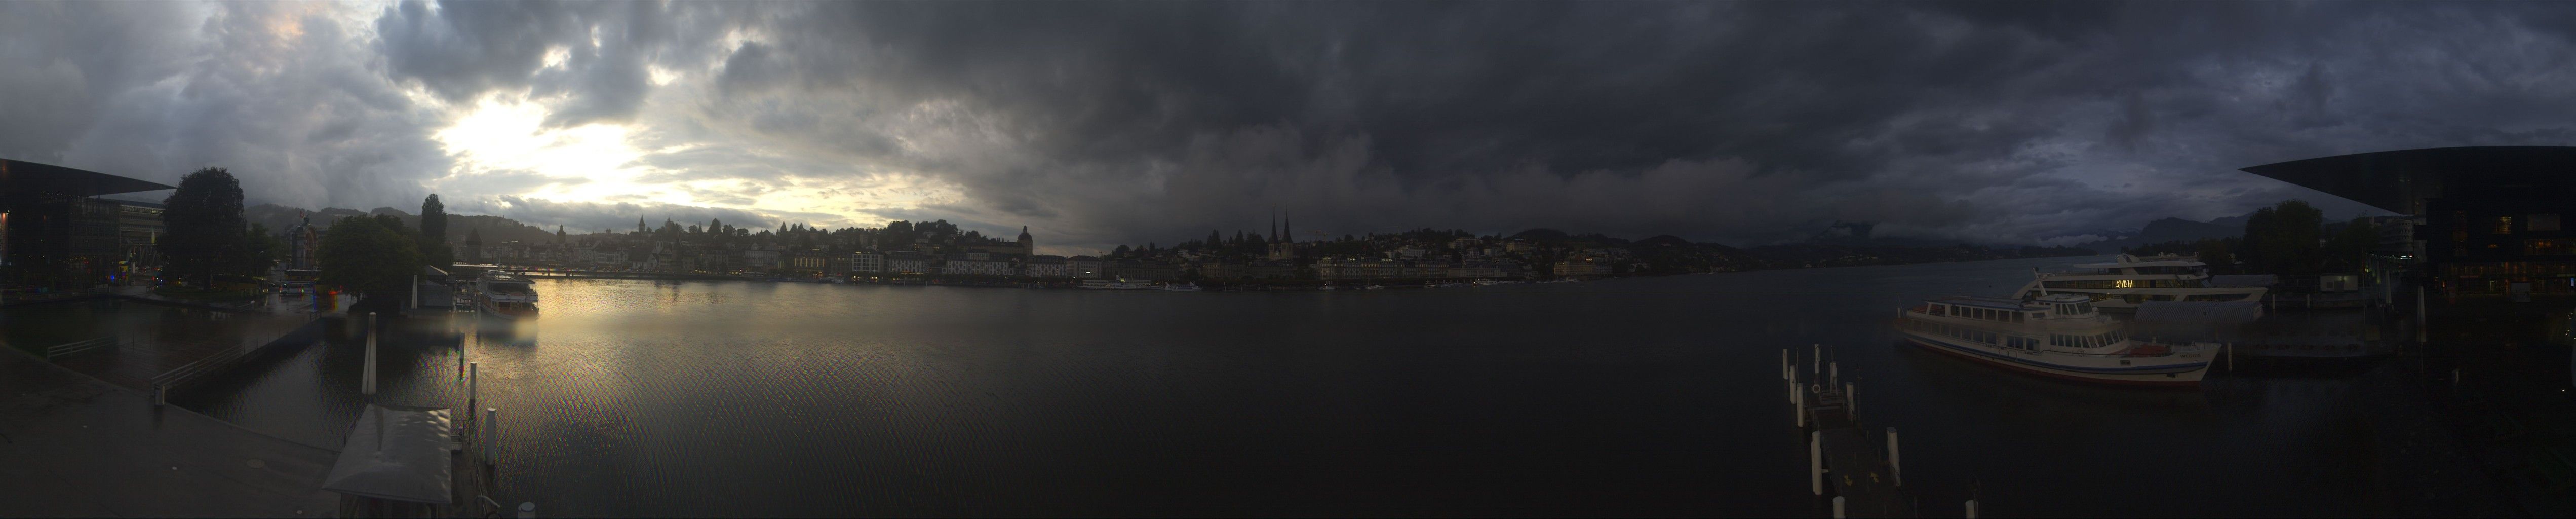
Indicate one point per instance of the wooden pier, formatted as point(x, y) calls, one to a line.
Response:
point(1855, 468)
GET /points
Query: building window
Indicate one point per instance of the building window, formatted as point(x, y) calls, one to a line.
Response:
point(2503, 225)
point(2543, 222)
point(2553, 247)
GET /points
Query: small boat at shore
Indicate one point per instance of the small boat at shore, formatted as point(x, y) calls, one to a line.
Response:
point(1118, 284)
point(503, 295)
point(1182, 287)
point(2062, 336)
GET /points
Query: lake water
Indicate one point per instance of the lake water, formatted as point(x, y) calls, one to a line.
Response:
point(1650, 396)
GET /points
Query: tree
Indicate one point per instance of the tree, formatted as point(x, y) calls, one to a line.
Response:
point(368, 256)
point(474, 244)
point(260, 250)
point(433, 221)
point(2214, 252)
point(2284, 239)
point(2349, 248)
point(204, 226)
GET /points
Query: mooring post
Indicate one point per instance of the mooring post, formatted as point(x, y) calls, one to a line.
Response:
point(2231, 357)
point(1798, 407)
point(1851, 405)
point(1816, 462)
point(527, 510)
point(1838, 508)
point(491, 431)
point(369, 382)
point(1972, 509)
point(1895, 468)
point(1819, 358)
point(1784, 364)
point(160, 395)
point(473, 382)
point(1833, 373)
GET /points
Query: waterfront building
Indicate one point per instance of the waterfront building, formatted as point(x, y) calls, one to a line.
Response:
point(53, 228)
point(1357, 269)
point(2487, 220)
point(1045, 267)
point(907, 262)
point(867, 262)
point(1580, 266)
point(138, 231)
point(804, 262)
point(760, 259)
point(977, 264)
point(1084, 267)
point(1028, 246)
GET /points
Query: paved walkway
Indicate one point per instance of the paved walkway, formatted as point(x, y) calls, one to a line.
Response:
point(71, 445)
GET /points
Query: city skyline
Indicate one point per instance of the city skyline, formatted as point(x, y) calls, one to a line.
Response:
point(1107, 124)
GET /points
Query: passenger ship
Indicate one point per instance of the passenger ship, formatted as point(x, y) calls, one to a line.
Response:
point(502, 295)
point(1118, 284)
point(2126, 282)
point(2061, 335)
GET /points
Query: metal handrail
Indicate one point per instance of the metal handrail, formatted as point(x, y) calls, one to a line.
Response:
point(77, 347)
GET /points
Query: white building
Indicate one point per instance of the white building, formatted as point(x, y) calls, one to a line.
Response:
point(867, 262)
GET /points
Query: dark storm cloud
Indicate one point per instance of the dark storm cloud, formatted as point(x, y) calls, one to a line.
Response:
point(2007, 121)
point(278, 93)
point(1154, 121)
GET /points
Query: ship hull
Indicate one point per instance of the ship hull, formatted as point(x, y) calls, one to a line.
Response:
point(2176, 376)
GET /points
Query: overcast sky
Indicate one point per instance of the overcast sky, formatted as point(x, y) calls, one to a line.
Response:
point(1099, 123)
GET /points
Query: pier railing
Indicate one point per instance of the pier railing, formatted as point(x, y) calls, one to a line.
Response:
point(59, 351)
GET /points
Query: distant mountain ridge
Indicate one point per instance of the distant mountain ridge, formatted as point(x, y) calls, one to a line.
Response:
point(494, 229)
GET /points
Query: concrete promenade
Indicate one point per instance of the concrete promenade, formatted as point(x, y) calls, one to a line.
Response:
point(72, 445)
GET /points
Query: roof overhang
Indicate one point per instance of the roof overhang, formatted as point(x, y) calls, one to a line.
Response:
point(2394, 180)
point(21, 176)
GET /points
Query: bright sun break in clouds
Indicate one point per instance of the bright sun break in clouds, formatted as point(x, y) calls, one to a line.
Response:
point(503, 147)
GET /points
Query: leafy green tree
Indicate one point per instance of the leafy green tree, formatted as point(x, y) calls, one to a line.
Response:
point(261, 250)
point(370, 255)
point(2284, 239)
point(2348, 249)
point(2214, 252)
point(204, 226)
point(433, 233)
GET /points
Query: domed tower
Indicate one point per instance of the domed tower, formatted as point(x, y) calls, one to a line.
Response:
point(1028, 247)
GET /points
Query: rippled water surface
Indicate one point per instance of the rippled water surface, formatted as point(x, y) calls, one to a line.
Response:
point(1655, 396)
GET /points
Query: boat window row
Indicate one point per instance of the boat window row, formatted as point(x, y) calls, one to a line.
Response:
point(1989, 314)
point(2085, 341)
point(1962, 333)
point(2074, 309)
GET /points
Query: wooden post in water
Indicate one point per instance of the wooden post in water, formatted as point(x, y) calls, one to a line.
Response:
point(1819, 358)
point(1784, 364)
point(1972, 509)
point(527, 510)
point(1895, 468)
point(1833, 373)
point(473, 382)
point(368, 384)
point(1838, 508)
point(1798, 407)
point(491, 431)
point(1816, 462)
point(1851, 405)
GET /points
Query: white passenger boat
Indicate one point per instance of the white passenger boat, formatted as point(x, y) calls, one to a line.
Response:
point(1181, 287)
point(505, 296)
point(2128, 281)
point(2061, 335)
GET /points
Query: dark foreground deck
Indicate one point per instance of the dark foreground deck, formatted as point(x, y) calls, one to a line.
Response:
point(79, 446)
point(1856, 463)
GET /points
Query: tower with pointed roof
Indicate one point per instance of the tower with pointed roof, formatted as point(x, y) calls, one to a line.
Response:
point(1028, 246)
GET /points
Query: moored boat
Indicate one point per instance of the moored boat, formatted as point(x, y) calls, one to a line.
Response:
point(506, 296)
point(2128, 281)
point(1181, 287)
point(2061, 335)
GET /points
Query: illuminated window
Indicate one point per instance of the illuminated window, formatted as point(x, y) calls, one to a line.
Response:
point(2124, 283)
point(2503, 225)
